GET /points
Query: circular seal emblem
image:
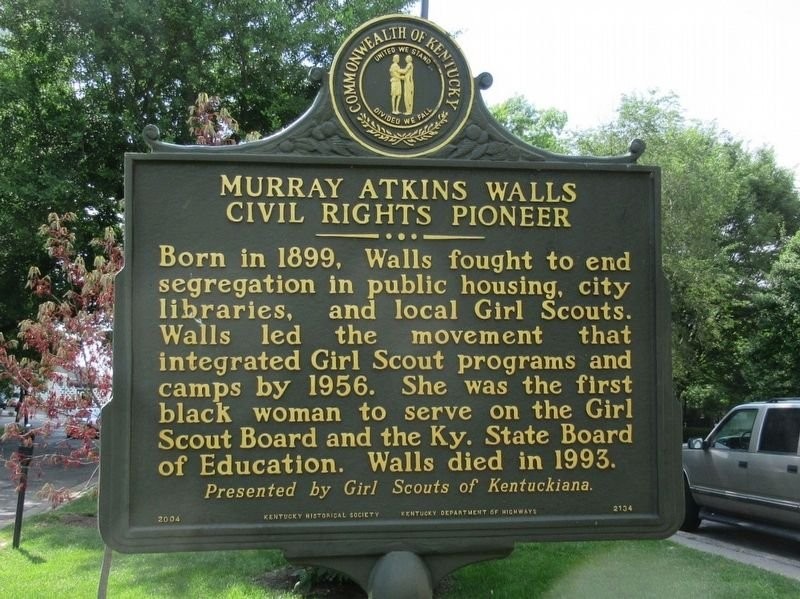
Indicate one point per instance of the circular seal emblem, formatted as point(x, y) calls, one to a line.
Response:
point(400, 86)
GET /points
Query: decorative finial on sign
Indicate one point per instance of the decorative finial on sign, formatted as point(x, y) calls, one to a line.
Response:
point(316, 74)
point(637, 148)
point(484, 80)
point(151, 134)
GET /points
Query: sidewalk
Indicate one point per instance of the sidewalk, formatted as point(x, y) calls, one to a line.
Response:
point(71, 478)
point(772, 562)
point(32, 506)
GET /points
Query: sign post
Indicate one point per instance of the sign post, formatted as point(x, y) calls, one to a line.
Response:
point(25, 453)
point(391, 336)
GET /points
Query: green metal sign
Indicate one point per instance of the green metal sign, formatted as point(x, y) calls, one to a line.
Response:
point(343, 343)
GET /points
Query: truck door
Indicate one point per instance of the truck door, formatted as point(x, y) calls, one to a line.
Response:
point(720, 474)
point(774, 478)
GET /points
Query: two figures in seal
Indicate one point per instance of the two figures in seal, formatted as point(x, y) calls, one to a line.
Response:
point(401, 84)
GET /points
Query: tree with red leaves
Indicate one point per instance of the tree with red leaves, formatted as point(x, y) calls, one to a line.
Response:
point(211, 124)
point(65, 374)
point(62, 360)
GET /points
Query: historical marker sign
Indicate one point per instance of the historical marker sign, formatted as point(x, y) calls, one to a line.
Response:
point(339, 356)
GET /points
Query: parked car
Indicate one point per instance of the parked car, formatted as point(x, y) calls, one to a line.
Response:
point(86, 425)
point(745, 472)
point(9, 398)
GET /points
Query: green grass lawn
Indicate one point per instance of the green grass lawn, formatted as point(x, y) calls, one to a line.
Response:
point(61, 554)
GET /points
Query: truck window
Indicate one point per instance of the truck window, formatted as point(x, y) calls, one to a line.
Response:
point(781, 430)
point(736, 431)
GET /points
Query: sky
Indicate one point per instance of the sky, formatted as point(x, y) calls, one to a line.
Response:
point(735, 63)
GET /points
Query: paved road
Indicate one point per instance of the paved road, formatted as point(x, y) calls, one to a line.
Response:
point(56, 475)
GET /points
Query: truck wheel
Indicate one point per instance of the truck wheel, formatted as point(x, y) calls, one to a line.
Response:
point(691, 518)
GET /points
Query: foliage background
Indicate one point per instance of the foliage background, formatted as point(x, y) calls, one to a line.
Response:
point(730, 220)
point(79, 80)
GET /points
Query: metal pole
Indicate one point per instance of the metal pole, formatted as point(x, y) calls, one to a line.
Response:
point(105, 572)
point(424, 9)
point(26, 454)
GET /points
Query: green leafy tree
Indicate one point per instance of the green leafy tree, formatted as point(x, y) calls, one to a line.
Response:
point(765, 216)
point(44, 166)
point(541, 128)
point(772, 356)
point(726, 215)
point(80, 80)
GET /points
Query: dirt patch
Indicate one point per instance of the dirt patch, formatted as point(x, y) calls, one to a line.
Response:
point(291, 579)
point(82, 520)
point(288, 579)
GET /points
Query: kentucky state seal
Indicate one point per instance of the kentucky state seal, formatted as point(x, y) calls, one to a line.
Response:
point(400, 86)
